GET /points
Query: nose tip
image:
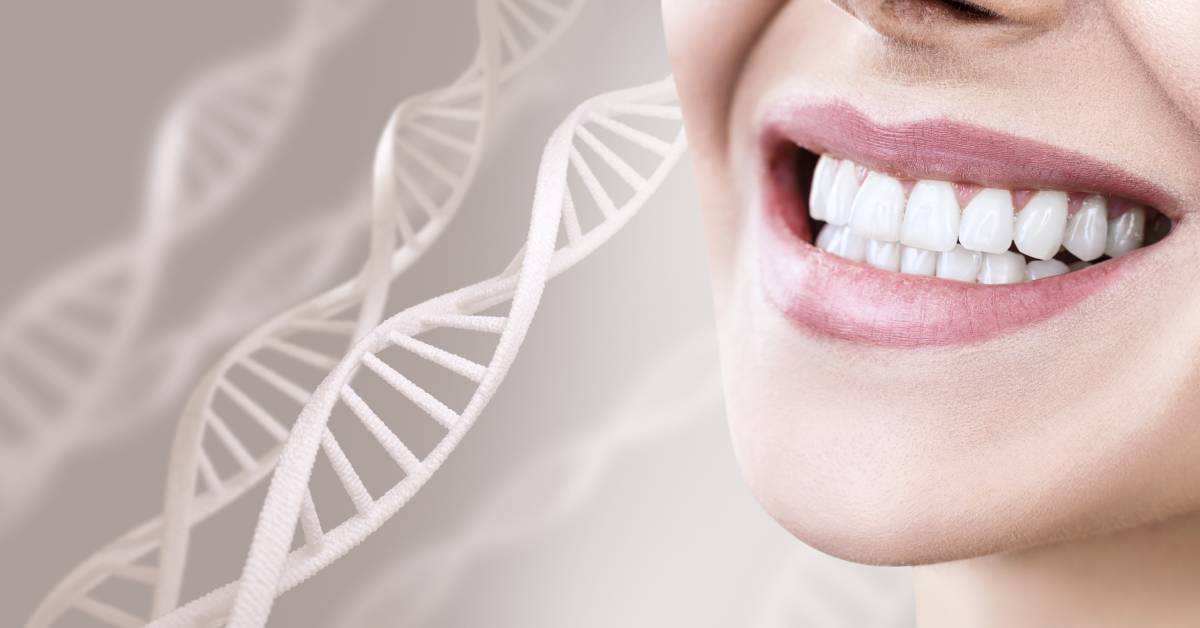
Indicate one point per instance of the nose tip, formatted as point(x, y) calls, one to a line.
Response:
point(939, 22)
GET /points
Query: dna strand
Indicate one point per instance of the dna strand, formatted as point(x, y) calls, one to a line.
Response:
point(61, 342)
point(435, 138)
point(547, 490)
point(502, 307)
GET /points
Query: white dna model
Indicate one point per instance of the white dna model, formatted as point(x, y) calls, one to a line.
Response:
point(418, 216)
point(503, 306)
point(213, 142)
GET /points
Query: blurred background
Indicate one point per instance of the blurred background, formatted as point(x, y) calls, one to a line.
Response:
point(597, 489)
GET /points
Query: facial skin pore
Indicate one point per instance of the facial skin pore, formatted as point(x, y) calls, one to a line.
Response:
point(1048, 475)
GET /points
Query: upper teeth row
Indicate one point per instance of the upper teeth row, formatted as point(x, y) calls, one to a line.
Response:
point(930, 218)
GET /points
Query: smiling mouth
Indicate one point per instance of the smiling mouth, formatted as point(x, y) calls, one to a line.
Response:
point(936, 232)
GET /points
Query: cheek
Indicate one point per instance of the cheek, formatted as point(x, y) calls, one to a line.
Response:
point(1164, 34)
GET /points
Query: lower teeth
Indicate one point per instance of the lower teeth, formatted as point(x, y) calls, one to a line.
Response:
point(958, 264)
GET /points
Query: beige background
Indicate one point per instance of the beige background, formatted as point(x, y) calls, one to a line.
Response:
point(667, 534)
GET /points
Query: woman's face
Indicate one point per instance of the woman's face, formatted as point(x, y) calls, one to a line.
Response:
point(920, 364)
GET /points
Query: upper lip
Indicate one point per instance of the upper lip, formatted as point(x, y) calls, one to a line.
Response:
point(953, 151)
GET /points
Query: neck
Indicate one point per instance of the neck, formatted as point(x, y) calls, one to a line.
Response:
point(1147, 576)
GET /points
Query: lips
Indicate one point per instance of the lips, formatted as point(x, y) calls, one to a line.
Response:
point(841, 296)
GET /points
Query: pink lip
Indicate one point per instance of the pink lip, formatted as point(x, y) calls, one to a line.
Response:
point(834, 297)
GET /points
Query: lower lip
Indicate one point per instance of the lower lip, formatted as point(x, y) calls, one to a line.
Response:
point(836, 298)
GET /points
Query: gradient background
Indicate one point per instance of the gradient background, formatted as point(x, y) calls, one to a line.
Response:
point(657, 529)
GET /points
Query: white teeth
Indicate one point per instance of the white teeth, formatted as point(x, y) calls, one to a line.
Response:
point(1126, 232)
point(959, 264)
point(1042, 269)
point(841, 195)
point(1087, 232)
point(826, 236)
point(844, 243)
point(885, 255)
point(924, 232)
point(931, 217)
point(879, 208)
point(918, 261)
point(987, 222)
point(1002, 268)
point(822, 185)
point(1040, 226)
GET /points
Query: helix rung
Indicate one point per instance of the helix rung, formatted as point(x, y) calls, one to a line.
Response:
point(141, 574)
point(109, 614)
point(450, 361)
point(614, 161)
point(284, 385)
point(450, 113)
point(641, 138)
point(511, 44)
point(441, 137)
point(256, 412)
point(212, 479)
point(593, 185)
point(344, 328)
point(343, 468)
point(486, 324)
point(423, 200)
point(304, 355)
point(660, 112)
point(231, 442)
point(523, 19)
point(387, 439)
point(442, 173)
point(431, 405)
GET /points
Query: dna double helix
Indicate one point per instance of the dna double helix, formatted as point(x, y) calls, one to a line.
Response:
point(425, 161)
point(62, 344)
point(502, 307)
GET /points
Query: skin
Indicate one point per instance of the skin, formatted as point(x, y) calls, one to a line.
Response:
point(1048, 476)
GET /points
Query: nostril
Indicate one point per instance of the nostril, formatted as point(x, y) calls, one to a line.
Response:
point(956, 23)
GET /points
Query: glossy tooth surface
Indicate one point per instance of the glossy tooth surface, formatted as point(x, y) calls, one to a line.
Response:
point(987, 222)
point(822, 185)
point(959, 264)
point(845, 243)
point(931, 217)
point(1126, 232)
point(1002, 268)
point(1087, 230)
point(885, 255)
point(918, 261)
point(826, 236)
point(1042, 269)
point(1040, 226)
point(879, 208)
point(841, 195)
